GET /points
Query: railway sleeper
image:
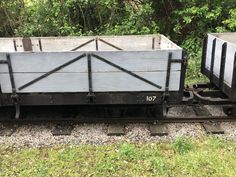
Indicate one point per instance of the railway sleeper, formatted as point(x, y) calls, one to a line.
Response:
point(116, 130)
point(158, 129)
point(212, 128)
point(7, 129)
point(63, 129)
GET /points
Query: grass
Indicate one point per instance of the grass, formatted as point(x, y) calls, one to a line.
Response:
point(208, 156)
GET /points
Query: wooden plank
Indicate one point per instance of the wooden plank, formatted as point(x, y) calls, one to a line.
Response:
point(209, 51)
point(124, 82)
point(78, 82)
point(155, 55)
point(7, 129)
point(35, 44)
point(58, 82)
point(134, 61)
point(227, 36)
point(126, 42)
point(158, 129)
point(229, 64)
point(165, 43)
point(67, 44)
point(116, 130)
point(134, 65)
point(137, 61)
point(212, 128)
point(44, 62)
point(7, 44)
point(217, 61)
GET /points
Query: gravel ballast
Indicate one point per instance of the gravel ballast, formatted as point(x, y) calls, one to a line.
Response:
point(96, 134)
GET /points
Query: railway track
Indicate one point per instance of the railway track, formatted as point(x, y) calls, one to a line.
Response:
point(65, 129)
point(64, 123)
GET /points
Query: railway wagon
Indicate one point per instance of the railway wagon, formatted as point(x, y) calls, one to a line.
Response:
point(219, 62)
point(104, 70)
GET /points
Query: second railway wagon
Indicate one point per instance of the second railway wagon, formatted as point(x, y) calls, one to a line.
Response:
point(219, 62)
point(105, 70)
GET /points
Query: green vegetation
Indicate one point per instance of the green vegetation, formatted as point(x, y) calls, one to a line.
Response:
point(207, 156)
point(186, 22)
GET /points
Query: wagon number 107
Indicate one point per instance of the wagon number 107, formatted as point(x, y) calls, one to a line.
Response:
point(151, 98)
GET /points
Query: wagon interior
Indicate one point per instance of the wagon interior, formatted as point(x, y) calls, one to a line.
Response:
point(229, 37)
point(92, 43)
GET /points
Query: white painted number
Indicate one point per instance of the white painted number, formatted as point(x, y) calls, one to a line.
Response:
point(151, 98)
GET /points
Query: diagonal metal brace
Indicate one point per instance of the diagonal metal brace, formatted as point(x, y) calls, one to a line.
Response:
point(107, 43)
point(82, 45)
point(52, 71)
point(127, 71)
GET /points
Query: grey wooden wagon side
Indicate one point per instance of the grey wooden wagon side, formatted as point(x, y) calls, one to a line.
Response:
point(147, 69)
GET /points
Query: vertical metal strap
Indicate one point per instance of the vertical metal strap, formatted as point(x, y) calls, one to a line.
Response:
point(15, 47)
point(153, 43)
point(212, 60)
point(96, 42)
point(14, 94)
point(40, 45)
point(222, 65)
point(90, 73)
point(184, 64)
point(168, 75)
point(204, 53)
point(11, 74)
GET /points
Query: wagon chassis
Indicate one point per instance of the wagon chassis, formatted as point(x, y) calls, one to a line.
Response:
point(196, 96)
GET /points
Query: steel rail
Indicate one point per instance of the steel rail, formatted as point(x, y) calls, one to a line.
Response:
point(168, 119)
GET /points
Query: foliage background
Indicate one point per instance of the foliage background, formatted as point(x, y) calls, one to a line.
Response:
point(184, 21)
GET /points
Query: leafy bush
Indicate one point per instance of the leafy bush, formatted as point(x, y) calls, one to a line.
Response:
point(192, 20)
point(135, 21)
point(10, 16)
